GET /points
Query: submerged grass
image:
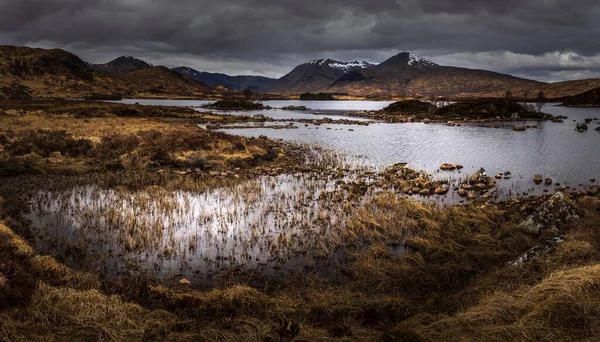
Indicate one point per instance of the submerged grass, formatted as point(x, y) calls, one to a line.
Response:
point(452, 284)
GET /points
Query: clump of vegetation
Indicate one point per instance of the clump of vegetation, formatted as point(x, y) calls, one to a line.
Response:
point(589, 98)
point(294, 108)
point(488, 108)
point(104, 97)
point(237, 105)
point(99, 137)
point(318, 97)
point(410, 107)
point(17, 92)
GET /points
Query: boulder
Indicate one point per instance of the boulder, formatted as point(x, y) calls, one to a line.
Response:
point(537, 178)
point(548, 181)
point(424, 192)
point(581, 127)
point(441, 191)
point(448, 167)
point(463, 193)
point(519, 128)
point(536, 251)
point(481, 185)
point(394, 168)
point(551, 215)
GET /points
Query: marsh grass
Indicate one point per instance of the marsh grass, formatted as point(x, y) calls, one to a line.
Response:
point(413, 270)
point(454, 285)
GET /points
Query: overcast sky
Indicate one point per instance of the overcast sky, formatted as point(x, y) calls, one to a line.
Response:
point(547, 40)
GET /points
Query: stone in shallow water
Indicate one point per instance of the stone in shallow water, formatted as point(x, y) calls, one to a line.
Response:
point(550, 215)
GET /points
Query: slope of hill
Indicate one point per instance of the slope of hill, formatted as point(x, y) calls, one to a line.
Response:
point(40, 73)
point(588, 98)
point(314, 76)
point(254, 83)
point(162, 82)
point(554, 91)
point(121, 65)
point(412, 75)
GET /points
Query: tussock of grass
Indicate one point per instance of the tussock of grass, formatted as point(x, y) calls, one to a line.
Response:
point(563, 306)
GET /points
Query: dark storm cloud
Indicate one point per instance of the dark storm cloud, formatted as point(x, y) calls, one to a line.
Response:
point(271, 36)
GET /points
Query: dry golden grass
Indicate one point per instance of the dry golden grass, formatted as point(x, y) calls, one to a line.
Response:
point(564, 306)
point(560, 305)
point(90, 128)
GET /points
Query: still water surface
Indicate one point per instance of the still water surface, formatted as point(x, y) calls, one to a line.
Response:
point(552, 149)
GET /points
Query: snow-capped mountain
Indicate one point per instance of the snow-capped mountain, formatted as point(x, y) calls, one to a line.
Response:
point(345, 66)
point(420, 62)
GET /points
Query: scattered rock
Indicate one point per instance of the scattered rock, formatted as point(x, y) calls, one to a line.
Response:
point(537, 178)
point(550, 215)
point(448, 167)
point(463, 192)
point(581, 127)
point(424, 192)
point(498, 176)
point(536, 251)
point(548, 181)
point(441, 191)
point(519, 128)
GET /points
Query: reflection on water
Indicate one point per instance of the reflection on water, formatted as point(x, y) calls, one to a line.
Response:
point(316, 109)
point(260, 226)
point(552, 149)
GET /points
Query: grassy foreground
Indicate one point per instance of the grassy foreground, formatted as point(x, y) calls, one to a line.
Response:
point(451, 284)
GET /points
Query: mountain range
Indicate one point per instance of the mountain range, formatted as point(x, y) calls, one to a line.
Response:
point(57, 73)
point(40, 73)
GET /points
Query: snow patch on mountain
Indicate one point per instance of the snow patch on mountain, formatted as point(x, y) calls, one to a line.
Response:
point(345, 66)
point(420, 62)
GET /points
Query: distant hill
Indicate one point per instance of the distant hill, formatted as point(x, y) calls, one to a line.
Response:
point(27, 72)
point(588, 98)
point(553, 91)
point(314, 76)
point(162, 82)
point(411, 75)
point(254, 83)
point(122, 65)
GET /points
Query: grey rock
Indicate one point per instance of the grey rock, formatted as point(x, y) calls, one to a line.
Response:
point(553, 213)
point(536, 251)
